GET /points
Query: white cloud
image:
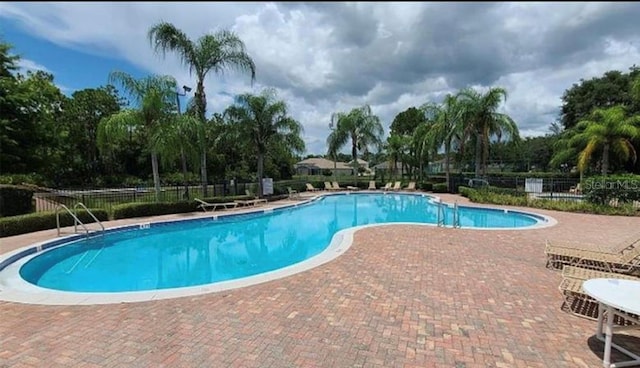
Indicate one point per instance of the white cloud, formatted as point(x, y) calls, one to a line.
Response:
point(26, 65)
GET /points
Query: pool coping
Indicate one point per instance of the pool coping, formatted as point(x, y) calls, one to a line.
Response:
point(14, 288)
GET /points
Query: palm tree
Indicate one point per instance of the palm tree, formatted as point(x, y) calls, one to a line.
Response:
point(153, 97)
point(361, 127)
point(483, 121)
point(211, 52)
point(447, 126)
point(608, 130)
point(262, 121)
point(174, 138)
point(395, 149)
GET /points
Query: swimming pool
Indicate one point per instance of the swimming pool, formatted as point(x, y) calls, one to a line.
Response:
point(214, 250)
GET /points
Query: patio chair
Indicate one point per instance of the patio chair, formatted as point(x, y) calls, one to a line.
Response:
point(411, 186)
point(387, 186)
point(576, 189)
point(311, 188)
point(336, 186)
point(623, 258)
point(372, 185)
point(328, 186)
point(250, 202)
point(396, 186)
point(575, 299)
point(204, 205)
point(293, 194)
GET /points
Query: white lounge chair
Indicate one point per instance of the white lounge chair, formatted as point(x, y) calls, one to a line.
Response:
point(372, 185)
point(204, 205)
point(293, 193)
point(311, 188)
point(250, 202)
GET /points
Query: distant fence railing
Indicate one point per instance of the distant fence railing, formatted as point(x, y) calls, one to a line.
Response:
point(107, 198)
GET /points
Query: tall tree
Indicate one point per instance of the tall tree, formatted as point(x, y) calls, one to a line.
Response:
point(447, 126)
point(610, 131)
point(153, 98)
point(30, 136)
point(263, 122)
point(211, 52)
point(361, 127)
point(613, 88)
point(483, 121)
point(81, 116)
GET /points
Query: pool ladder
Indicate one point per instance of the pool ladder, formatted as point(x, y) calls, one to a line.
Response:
point(76, 220)
point(441, 214)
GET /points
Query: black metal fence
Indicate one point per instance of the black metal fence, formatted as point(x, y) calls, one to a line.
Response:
point(107, 198)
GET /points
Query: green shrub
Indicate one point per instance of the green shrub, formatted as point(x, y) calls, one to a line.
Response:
point(327, 172)
point(17, 179)
point(440, 188)
point(485, 196)
point(177, 178)
point(507, 191)
point(129, 210)
point(15, 200)
point(602, 189)
point(428, 187)
point(22, 224)
point(465, 191)
point(140, 209)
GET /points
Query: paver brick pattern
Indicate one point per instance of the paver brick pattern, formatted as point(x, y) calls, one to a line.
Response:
point(401, 296)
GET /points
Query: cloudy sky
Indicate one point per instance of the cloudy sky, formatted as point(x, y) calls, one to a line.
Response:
point(330, 57)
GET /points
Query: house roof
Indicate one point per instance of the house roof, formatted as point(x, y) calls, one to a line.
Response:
point(361, 162)
point(322, 163)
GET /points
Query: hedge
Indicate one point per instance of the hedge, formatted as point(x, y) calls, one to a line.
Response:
point(486, 196)
point(440, 188)
point(143, 209)
point(15, 200)
point(22, 224)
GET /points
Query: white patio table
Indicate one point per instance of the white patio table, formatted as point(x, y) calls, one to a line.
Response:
point(615, 297)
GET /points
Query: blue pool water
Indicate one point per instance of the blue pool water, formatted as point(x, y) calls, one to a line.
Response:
point(189, 253)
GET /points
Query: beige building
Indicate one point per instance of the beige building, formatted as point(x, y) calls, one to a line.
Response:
point(316, 166)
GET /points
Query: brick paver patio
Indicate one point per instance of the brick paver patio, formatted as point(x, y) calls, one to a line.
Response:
point(401, 296)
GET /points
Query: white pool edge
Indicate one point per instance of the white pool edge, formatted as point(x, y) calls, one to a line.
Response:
point(13, 288)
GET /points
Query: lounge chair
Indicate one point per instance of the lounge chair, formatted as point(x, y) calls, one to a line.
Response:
point(336, 186)
point(396, 186)
point(623, 258)
point(250, 202)
point(328, 186)
point(293, 193)
point(311, 188)
point(372, 185)
point(411, 186)
point(387, 186)
point(576, 190)
point(575, 299)
point(204, 205)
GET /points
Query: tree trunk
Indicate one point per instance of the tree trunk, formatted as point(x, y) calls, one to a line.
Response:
point(260, 173)
point(605, 159)
point(478, 154)
point(485, 151)
point(201, 103)
point(447, 169)
point(183, 157)
point(156, 174)
point(354, 154)
point(203, 172)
